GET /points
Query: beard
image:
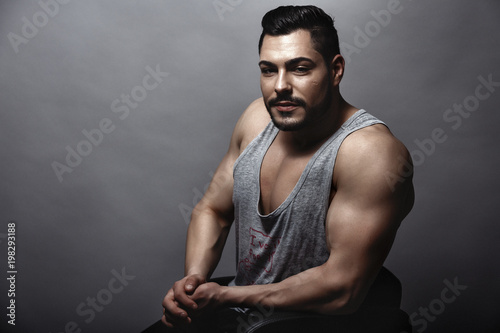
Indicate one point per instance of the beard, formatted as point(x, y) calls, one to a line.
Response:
point(286, 122)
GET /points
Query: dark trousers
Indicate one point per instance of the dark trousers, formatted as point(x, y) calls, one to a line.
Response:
point(226, 320)
point(373, 320)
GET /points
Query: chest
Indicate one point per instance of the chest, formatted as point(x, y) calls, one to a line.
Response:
point(279, 173)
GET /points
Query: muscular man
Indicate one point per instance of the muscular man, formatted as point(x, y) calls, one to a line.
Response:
point(316, 188)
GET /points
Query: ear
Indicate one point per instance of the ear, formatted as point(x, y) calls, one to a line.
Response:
point(337, 67)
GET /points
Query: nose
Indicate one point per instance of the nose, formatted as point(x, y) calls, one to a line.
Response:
point(282, 84)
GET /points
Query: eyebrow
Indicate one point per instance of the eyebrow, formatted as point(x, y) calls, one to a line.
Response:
point(288, 63)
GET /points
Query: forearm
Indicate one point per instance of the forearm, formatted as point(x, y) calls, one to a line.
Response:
point(206, 237)
point(313, 290)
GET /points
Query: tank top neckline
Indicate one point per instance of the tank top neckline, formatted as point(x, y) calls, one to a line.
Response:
point(307, 169)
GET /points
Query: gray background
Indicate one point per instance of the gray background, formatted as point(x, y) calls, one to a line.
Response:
point(124, 205)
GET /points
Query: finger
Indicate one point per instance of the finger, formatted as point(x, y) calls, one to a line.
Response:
point(179, 294)
point(169, 322)
point(165, 322)
point(172, 321)
point(169, 298)
point(172, 308)
point(192, 282)
point(173, 315)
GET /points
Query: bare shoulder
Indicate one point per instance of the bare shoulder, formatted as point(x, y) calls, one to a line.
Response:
point(218, 197)
point(253, 121)
point(375, 142)
point(373, 155)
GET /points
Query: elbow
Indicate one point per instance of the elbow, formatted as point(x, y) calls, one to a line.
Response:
point(349, 306)
point(203, 212)
point(344, 302)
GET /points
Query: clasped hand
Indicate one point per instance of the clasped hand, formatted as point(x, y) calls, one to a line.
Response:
point(188, 298)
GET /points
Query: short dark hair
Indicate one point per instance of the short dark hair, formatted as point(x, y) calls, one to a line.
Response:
point(287, 19)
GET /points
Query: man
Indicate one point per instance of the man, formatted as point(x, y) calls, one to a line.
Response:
point(306, 182)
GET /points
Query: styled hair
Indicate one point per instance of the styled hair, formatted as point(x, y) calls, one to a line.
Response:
point(287, 19)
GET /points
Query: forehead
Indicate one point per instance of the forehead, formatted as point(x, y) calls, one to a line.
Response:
point(285, 47)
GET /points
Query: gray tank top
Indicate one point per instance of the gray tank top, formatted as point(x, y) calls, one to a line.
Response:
point(291, 239)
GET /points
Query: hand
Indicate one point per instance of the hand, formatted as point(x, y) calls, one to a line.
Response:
point(207, 296)
point(178, 302)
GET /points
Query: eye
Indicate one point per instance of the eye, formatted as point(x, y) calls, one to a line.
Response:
point(266, 71)
point(302, 69)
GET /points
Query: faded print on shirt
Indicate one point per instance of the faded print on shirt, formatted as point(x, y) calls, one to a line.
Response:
point(259, 259)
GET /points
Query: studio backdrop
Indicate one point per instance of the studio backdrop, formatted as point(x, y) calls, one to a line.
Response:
point(115, 114)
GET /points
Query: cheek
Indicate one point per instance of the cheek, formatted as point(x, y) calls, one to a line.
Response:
point(319, 88)
point(266, 88)
point(313, 90)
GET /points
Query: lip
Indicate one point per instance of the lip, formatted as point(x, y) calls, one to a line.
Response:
point(285, 106)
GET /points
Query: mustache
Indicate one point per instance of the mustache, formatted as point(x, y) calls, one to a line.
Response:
point(287, 98)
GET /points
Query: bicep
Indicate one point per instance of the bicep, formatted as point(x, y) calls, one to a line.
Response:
point(360, 233)
point(365, 213)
